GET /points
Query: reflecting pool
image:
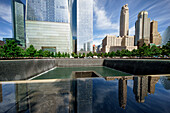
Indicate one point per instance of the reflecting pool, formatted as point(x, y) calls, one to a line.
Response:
point(63, 73)
point(127, 94)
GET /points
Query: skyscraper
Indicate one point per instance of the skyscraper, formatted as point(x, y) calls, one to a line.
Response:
point(82, 24)
point(166, 36)
point(155, 36)
point(124, 21)
point(18, 9)
point(142, 29)
point(124, 41)
point(48, 25)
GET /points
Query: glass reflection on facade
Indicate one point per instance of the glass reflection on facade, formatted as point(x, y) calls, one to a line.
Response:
point(48, 25)
point(166, 36)
point(48, 10)
point(18, 9)
point(82, 24)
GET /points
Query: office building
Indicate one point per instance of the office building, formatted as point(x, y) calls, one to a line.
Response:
point(48, 25)
point(124, 21)
point(82, 25)
point(18, 12)
point(112, 43)
point(166, 36)
point(142, 29)
point(99, 48)
point(124, 41)
point(155, 36)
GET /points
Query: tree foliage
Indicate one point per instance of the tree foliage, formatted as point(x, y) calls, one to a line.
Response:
point(10, 49)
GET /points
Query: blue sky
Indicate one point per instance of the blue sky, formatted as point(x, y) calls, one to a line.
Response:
point(106, 16)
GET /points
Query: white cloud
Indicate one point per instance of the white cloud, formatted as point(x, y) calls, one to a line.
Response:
point(102, 21)
point(7, 33)
point(97, 42)
point(132, 31)
point(5, 12)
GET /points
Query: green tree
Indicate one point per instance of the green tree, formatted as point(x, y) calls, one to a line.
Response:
point(76, 56)
point(31, 51)
point(80, 56)
point(87, 55)
point(122, 53)
point(95, 54)
point(112, 54)
point(10, 49)
point(166, 49)
point(46, 53)
point(105, 55)
point(117, 53)
point(68, 55)
point(99, 54)
point(39, 53)
point(59, 54)
point(102, 54)
point(134, 52)
point(128, 53)
point(91, 54)
point(63, 55)
point(72, 54)
point(84, 54)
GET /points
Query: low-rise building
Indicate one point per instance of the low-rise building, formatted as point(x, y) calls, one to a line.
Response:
point(112, 43)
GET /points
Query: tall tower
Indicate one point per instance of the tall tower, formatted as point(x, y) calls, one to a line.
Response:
point(124, 21)
point(18, 16)
point(155, 36)
point(48, 25)
point(142, 29)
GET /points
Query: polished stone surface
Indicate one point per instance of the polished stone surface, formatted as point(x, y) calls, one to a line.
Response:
point(66, 72)
point(86, 95)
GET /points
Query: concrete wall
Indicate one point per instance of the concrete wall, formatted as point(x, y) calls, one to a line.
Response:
point(139, 66)
point(79, 62)
point(24, 69)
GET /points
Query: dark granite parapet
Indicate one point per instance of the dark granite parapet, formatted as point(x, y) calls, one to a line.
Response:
point(24, 69)
point(79, 62)
point(139, 67)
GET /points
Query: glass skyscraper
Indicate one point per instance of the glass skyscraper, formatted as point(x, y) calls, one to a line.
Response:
point(55, 25)
point(82, 24)
point(18, 9)
point(48, 25)
point(48, 10)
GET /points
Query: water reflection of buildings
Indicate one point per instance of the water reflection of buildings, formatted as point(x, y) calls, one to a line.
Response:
point(141, 87)
point(144, 85)
point(21, 93)
point(122, 92)
point(0, 92)
point(151, 84)
point(82, 96)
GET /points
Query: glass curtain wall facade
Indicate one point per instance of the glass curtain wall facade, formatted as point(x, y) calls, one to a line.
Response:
point(166, 36)
point(48, 25)
point(82, 24)
point(18, 14)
